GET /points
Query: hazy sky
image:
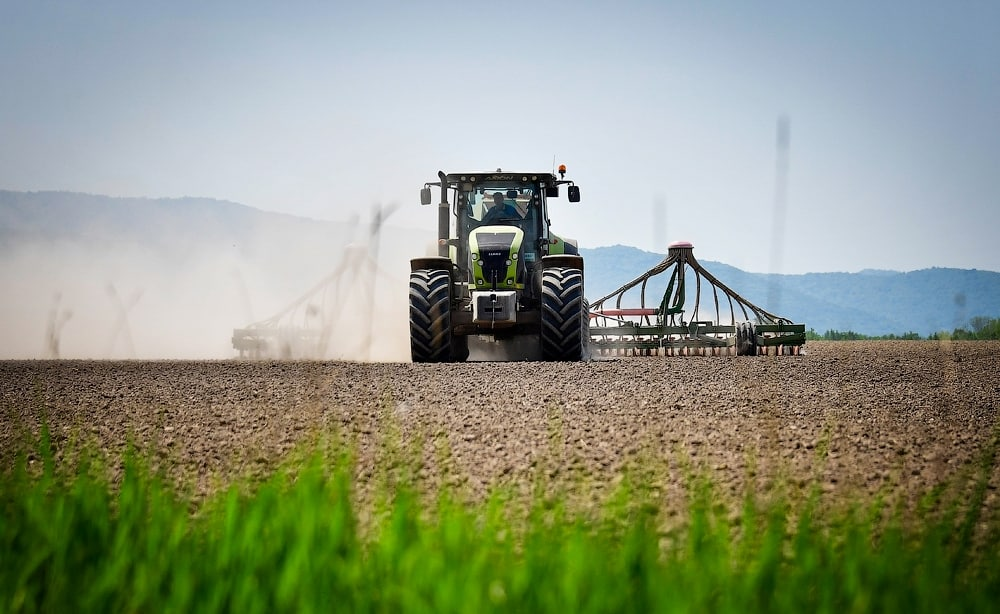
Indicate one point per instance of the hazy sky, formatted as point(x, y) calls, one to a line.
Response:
point(324, 109)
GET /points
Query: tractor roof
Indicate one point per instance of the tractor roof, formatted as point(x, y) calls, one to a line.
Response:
point(548, 178)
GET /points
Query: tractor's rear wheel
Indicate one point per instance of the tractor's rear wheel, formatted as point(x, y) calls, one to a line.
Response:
point(564, 331)
point(430, 316)
point(752, 340)
point(745, 345)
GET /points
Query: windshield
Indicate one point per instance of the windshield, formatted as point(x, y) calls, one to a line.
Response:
point(495, 203)
point(514, 199)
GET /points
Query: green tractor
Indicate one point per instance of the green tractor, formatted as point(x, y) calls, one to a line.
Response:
point(501, 275)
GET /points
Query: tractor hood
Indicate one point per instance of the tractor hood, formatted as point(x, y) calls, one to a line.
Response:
point(496, 252)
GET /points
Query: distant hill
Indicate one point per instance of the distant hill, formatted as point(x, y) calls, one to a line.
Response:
point(161, 278)
point(168, 226)
point(181, 232)
point(871, 302)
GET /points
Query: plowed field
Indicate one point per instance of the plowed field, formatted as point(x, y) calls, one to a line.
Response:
point(854, 417)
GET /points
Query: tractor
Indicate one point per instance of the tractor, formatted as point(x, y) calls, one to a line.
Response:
point(500, 274)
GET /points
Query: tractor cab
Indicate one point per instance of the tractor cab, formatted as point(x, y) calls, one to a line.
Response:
point(499, 224)
point(499, 227)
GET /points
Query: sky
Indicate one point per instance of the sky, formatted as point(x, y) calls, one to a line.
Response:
point(665, 113)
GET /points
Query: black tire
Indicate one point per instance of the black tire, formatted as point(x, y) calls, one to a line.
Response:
point(430, 316)
point(751, 340)
point(459, 348)
point(565, 322)
point(743, 340)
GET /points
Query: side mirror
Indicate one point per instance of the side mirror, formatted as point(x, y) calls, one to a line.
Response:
point(425, 196)
point(552, 191)
point(574, 193)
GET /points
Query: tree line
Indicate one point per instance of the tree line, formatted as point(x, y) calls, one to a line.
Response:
point(980, 328)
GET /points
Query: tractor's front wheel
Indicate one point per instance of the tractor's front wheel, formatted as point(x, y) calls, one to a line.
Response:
point(564, 332)
point(430, 316)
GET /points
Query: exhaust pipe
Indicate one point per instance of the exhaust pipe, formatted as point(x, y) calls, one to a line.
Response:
point(443, 225)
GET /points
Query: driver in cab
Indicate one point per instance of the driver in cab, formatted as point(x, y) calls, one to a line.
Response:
point(500, 210)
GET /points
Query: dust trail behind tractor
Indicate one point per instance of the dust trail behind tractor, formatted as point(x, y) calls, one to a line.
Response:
point(706, 319)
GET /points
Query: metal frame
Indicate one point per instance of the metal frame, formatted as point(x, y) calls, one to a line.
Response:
point(671, 329)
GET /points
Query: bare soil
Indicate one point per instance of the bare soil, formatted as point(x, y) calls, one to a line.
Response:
point(854, 417)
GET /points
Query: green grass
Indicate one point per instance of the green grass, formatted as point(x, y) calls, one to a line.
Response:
point(300, 541)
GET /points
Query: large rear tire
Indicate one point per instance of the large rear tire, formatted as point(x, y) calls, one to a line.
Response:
point(430, 316)
point(564, 331)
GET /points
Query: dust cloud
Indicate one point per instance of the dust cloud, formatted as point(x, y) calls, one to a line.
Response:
point(105, 295)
